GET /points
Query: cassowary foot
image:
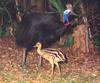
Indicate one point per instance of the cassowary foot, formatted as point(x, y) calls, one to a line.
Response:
point(23, 66)
point(40, 62)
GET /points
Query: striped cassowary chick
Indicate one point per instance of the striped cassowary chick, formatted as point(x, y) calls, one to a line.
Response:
point(53, 55)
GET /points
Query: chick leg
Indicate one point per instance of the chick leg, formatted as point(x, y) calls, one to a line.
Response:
point(58, 68)
point(52, 64)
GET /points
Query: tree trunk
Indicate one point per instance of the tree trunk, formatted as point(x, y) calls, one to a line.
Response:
point(86, 23)
point(18, 12)
point(39, 5)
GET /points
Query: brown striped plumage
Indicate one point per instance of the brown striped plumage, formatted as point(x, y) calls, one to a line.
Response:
point(54, 56)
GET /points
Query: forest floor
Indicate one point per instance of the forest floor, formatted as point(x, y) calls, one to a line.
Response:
point(83, 70)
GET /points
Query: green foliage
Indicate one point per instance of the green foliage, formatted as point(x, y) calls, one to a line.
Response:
point(5, 14)
point(68, 42)
point(2, 31)
point(57, 4)
point(96, 40)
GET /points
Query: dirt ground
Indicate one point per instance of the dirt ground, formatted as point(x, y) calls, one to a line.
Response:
point(83, 70)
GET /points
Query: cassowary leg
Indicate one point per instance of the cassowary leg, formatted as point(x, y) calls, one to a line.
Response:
point(24, 57)
point(40, 61)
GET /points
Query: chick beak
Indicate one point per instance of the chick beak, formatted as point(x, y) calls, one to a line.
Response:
point(34, 46)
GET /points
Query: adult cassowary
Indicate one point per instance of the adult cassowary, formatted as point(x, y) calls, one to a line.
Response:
point(38, 27)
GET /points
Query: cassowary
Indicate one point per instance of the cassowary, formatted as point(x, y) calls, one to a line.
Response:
point(38, 27)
